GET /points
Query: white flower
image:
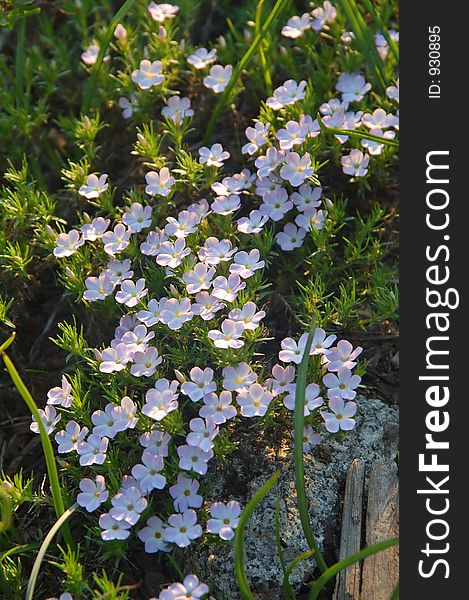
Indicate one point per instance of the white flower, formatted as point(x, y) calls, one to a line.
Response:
point(93, 493)
point(127, 505)
point(90, 55)
point(293, 134)
point(118, 271)
point(148, 474)
point(218, 78)
point(392, 92)
point(214, 156)
point(248, 315)
point(177, 109)
point(379, 118)
point(137, 339)
point(159, 403)
point(311, 219)
point(322, 15)
point(307, 197)
point(149, 74)
point(159, 183)
point(61, 395)
point(257, 136)
point(93, 450)
point(227, 289)
point(105, 422)
point(114, 359)
point(94, 186)
point(185, 224)
point(182, 529)
point(98, 288)
point(200, 209)
point(193, 458)
point(131, 292)
point(206, 306)
point(125, 414)
point(171, 255)
point(293, 351)
point(137, 217)
point(373, 147)
point(255, 401)
point(268, 163)
point(342, 384)
point(69, 438)
point(355, 163)
point(202, 58)
point(120, 32)
point(152, 314)
point(67, 244)
point(113, 529)
point(276, 204)
point(224, 205)
point(229, 185)
point(296, 168)
point(152, 244)
point(190, 589)
point(94, 230)
point(340, 418)
point(252, 224)
point(128, 106)
point(312, 398)
point(229, 335)
point(49, 418)
point(296, 26)
point(342, 356)
point(238, 378)
point(152, 536)
point(244, 264)
point(291, 237)
point(116, 240)
point(267, 184)
point(281, 379)
point(218, 408)
point(352, 86)
point(334, 105)
point(145, 362)
point(225, 518)
point(215, 251)
point(202, 433)
point(184, 493)
point(201, 384)
point(176, 313)
point(288, 93)
point(161, 12)
point(156, 442)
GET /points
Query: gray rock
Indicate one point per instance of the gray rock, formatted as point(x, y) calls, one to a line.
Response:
point(374, 437)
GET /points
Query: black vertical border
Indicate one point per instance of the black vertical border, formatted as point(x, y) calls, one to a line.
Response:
point(433, 124)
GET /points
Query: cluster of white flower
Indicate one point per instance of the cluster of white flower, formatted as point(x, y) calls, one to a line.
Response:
point(317, 20)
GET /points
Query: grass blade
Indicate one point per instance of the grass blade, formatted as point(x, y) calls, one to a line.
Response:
point(287, 589)
point(382, 27)
point(262, 58)
point(43, 549)
point(346, 562)
point(225, 96)
point(46, 445)
point(299, 420)
point(358, 134)
point(90, 89)
point(239, 535)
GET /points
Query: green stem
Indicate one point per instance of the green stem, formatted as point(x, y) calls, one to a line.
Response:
point(60, 523)
point(8, 343)
point(287, 589)
point(299, 420)
point(265, 67)
point(357, 134)
point(19, 63)
point(46, 445)
point(384, 30)
point(343, 564)
point(90, 89)
point(225, 96)
point(239, 535)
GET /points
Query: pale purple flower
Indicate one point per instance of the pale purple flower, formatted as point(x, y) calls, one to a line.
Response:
point(321, 342)
point(252, 224)
point(288, 93)
point(214, 156)
point(228, 336)
point(185, 224)
point(238, 378)
point(93, 450)
point(158, 403)
point(49, 418)
point(355, 163)
point(342, 384)
point(206, 306)
point(326, 13)
point(93, 493)
point(152, 245)
point(193, 458)
point(310, 438)
point(342, 356)
point(199, 278)
point(296, 168)
point(66, 244)
point(159, 184)
point(151, 315)
point(226, 205)
point(184, 493)
point(98, 288)
point(161, 12)
point(112, 529)
point(69, 438)
point(245, 264)
point(149, 74)
point(352, 86)
point(148, 474)
point(218, 78)
point(137, 217)
point(190, 589)
point(105, 422)
point(312, 398)
point(255, 401)
point(176, 313)
point(292, 135)
point(152, 536)
point(202, 434)
point(291, 237)
point(257, 136)
point(202, 58)
point(131, 292)
point(156, 442)
point(94, 230)
point(307, 197)
point(182, 529)
point(128, 106)
point(269, 162)
point(171, 255)
point(116, 240)
point(114, 359)
point(61, 395)
point(340, 417)
point(177, 109)
point(276, 204)
point(94, 186)
point(126, 414)
point(127, 505)
point(118, 271)
point(296, 26)
point(227, 289)
point(145, 362)
point(215, 251)
point(248, 315)
point(225, 518)
point(282, 377)
point(201, 384)
point(218, 408)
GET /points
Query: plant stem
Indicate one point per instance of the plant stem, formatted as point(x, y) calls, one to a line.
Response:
point(90, 88)
point(239, 535)
point(46, 445)
point(225, 96)
point(350, 560)
point(382, 27)
point(60, 523)
point(299, 419)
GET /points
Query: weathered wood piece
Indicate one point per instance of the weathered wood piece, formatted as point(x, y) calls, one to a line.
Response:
point(347, 585)
point(380, 571)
